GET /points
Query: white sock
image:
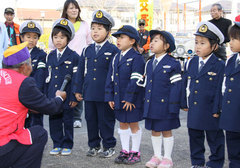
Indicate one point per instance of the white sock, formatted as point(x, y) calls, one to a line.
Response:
point(136, 140)
point(125, 138)
point(157, 146)
point(168, 147)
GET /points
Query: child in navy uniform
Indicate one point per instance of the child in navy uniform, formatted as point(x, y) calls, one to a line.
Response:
point(123, 94)
point(230, 115)
point(31, 31)
point(162, 97)
point(61, 62)
point(202, 94)
point(91, 77)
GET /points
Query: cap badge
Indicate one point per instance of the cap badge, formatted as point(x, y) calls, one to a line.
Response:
point(31, 25)
point(203, 28)
point(64, 22)
point(99, 14)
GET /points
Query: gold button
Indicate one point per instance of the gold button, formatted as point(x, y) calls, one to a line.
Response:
point(151, 81)
point(94, 78)
point(210, 79)
point(164, 71)
point(195, 92)
point(33, 65)
point(231, 79)
point(115, 93)
point(197, 81)
point(148, 101)
point(55, 85)
point(224, 75)
point(195, 103)
point(228, 102)
point(66, 66)
point(229, 90)
point(95, 60)
point(149, 91)
point(56, 76)
point(116, 74)
point(56, 68)
point(107, 58)
point(162, 100)
point(116, 83)
point(189, 77)
point(127, 64)
point(94, 69)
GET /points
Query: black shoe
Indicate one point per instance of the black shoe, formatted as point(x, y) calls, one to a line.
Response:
point(122, 157)
point(107, 152)
point(93, 151)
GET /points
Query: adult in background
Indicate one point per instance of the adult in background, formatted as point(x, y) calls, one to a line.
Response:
point(3, 41)
point(223, 25)
point(144, 39)
point(71, 11)
point(12, 28)
point(20, 147)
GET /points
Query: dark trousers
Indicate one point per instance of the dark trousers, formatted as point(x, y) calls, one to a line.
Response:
point(77, 111)
point(16, 155)
point(233, 147)
point(61, 129)
point(100, 119)
point(215, 140)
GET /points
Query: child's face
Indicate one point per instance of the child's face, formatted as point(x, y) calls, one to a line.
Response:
point(31, 38)
point(60, 41)
point(98, 32)
point(157, 45)
point(72, 11)
point(235, 45)
point(202, 46)
point(124, 42)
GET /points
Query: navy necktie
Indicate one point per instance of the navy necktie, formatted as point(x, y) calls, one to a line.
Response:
point(155, 64)
point(201, 66)
point(121, 56)
point(59, 56)
point(97, 48)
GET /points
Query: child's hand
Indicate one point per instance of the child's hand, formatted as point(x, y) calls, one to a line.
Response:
point(78, 96)
point(215, 115)
point(72, 104)
point(185, 109)
point(111, 104)
point(128, 105)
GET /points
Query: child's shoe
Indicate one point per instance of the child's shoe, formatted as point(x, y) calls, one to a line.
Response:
point(66, 152)
point(165, 163)
point(55, 151)
point(122, 157)
point(93, 151)
point(107, 152)
point(134, 157)
point(153, 163)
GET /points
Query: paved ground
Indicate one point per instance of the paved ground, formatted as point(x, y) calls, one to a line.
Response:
point(78, 159)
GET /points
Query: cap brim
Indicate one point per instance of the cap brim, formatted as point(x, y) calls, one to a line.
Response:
point(238, 24)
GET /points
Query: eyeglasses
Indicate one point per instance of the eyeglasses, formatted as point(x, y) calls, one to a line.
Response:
point(141, 25)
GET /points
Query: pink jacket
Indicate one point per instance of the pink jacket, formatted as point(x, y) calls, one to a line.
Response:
point(81, 39)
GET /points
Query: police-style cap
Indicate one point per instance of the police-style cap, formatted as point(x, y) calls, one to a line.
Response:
point(237, 20)
point(141, 21)
point(31, 26)
point(127, 30)
point(9, 10)
point(16, 54)
point(102, 17)
point(66, 24)
point(168, 36)
point(209, 30)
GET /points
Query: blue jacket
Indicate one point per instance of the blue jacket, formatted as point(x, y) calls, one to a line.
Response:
point(230, 115)
point(163, 89)
point(205, 93)
point(57, 71)
point(38, 57)
point(119, 86)
point(92, 71)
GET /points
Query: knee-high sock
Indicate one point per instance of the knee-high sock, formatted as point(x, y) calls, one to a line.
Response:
point(157, 145)
point(136, 140)
point(168, 147)
point(125, 138)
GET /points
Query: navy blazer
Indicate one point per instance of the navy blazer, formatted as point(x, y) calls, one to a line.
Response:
point(38, 57)
point(163, 89)
point(205, 93)
point(57, 70)
point(92, 71)
point(230, 115)
point(119, 86)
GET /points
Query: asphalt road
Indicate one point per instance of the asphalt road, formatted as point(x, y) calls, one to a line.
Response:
point(78, 159)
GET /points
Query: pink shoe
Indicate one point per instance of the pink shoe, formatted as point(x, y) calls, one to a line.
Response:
point(153, 163)
point(165, 163)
